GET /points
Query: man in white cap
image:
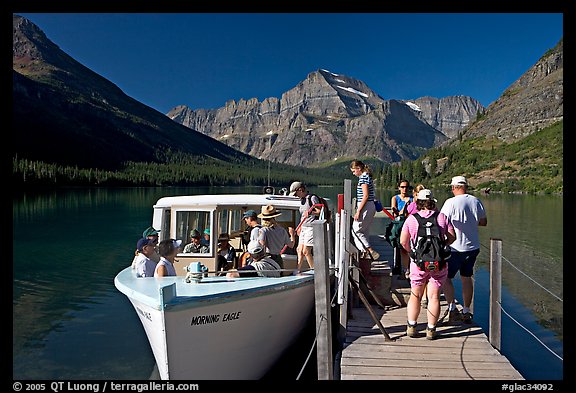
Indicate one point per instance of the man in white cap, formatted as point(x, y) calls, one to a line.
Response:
point(466, 213)
point(308, 214)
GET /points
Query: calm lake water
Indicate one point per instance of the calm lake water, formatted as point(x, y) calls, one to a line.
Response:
point(70, 322)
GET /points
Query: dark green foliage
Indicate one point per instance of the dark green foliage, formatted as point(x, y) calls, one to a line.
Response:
point(178, 170)
point(531, 164)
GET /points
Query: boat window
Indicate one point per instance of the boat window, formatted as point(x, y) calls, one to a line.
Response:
point(165, 228)
point(230, 221)
point(236, 220)
point(223, 221)
point(287, 218)
point(186, 222)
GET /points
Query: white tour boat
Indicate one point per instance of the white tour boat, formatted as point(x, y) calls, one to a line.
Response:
point(219, 327)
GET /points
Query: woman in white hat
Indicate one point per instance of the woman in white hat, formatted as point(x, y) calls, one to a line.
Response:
point(424, 278)
point(272, 236)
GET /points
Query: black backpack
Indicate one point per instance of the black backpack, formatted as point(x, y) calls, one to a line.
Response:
point(430, 251)
point(327, 212)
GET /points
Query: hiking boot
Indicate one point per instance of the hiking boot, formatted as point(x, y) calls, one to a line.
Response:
point(430, 333)
point(411, 330)
point(454, 316)
point(467, 318)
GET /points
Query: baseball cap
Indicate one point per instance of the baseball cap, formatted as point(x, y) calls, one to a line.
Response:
point(150, 231)
point(294, 186)
point(250, 213)
point(425, 194)
point(459, 181)
point(142, 243)
point(207, 231)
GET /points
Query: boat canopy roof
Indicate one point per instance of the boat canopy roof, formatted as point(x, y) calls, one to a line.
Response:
point(212, 201)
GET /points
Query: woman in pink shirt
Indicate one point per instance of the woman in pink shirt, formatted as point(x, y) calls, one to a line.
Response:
point(421, 279)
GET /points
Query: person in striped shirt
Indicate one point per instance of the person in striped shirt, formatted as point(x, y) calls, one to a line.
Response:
point(365, 209)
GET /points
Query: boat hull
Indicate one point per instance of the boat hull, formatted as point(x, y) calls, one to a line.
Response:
point(237, 336)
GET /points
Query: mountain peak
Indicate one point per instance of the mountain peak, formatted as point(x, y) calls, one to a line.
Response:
point(534, 101)
point(65, 113)
point(327, 116)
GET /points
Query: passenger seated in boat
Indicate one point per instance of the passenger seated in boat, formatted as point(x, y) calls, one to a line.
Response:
point(168, 249)
point(195, 245)
point(143, 265)
point(152, 234)
point(206, 239)
point(226, 253)
point(259, 265)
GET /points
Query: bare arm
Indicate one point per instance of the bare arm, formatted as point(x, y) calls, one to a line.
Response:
point(161, 271)
point(394, 205)
point(450, 236)
point(405, 240)
point(291, 232)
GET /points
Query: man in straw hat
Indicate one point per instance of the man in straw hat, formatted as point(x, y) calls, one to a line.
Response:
point(466, 213)
point(272, 236)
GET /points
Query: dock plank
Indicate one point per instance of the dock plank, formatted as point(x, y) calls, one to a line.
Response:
point(460, 351)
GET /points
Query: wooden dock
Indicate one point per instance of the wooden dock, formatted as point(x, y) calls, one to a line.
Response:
point(460, 351)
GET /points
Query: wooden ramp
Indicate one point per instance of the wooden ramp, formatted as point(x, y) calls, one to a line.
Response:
point(460, 351)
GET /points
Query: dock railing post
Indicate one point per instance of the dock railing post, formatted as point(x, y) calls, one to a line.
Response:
point(325, 359)
point(495, 323)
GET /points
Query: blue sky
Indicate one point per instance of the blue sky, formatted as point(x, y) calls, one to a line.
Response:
point(203, 60)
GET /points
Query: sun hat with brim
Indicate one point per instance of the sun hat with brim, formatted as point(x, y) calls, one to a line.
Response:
point(223, 236)
point(150, 231)
point(195, 233)
point(269, 211)
point(425, 195)
point(458, 181)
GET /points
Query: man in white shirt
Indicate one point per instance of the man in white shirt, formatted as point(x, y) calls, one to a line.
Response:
point(466, 213)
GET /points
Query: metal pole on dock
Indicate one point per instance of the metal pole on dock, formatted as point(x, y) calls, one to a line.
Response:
point(322, 300)
point(495, 323)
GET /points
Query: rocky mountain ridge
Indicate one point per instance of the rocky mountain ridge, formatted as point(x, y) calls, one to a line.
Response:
point(328, 116)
